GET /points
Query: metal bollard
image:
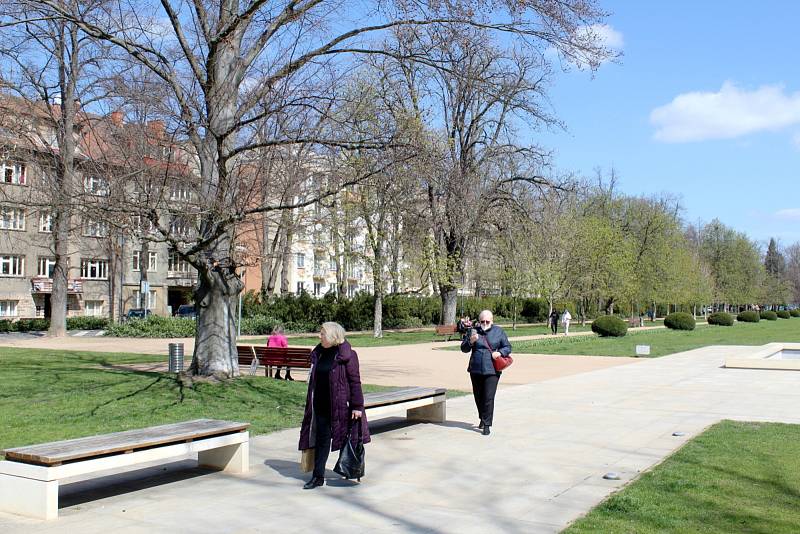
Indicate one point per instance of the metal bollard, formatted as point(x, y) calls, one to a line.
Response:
point(175, 357)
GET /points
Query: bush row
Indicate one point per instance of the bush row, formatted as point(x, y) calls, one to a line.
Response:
point(609, 326)
point(769, 315)
point(721, 319)
point(33, 325)
point(795, 313)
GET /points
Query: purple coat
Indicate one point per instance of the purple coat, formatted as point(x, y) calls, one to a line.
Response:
point(346, 395)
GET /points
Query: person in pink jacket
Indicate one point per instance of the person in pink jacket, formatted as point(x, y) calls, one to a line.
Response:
point(277, 339)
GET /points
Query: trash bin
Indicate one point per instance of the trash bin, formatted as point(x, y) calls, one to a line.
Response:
point(175, 357)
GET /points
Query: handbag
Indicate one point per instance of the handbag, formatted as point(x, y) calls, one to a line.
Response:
point(351, 457)
point(501, 362)
point(307, 460)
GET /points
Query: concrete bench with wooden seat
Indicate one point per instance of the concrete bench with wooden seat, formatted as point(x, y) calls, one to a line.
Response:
point(448, 330)
point(421, 404)
point(29, 476)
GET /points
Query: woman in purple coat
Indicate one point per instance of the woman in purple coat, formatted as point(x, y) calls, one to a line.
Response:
point(334, 399)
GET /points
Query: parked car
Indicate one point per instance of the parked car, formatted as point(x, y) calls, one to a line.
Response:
point(186, 310)
point(137, 313)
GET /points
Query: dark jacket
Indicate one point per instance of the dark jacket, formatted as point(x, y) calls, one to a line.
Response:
point(480, 362)
point(346, 396)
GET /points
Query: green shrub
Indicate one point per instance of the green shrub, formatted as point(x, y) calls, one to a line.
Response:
point(609, 326)
point(721, 319)
point(783, 314)
point(258, 325)
point(769, 315)
point(679, 321)
point(154, 326)
point(86, 323)
point(7, 326)
point(748, 317)
point(795, 313)
point(32, 325)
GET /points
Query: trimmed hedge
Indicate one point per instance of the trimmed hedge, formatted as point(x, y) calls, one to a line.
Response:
point(783, 314)
point(748, 317)
point(721, 319)
point(73, 323)
point(795, 313)
point(609, 326)
point(679, 321)
point(769, 315)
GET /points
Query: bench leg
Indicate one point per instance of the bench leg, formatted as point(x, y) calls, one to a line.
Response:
point(435, 413)
point(232, 458)
point(32, 498)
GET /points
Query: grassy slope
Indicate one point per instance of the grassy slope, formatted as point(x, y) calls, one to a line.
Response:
point(50, 395)
point(664, 342)
point(735, 477)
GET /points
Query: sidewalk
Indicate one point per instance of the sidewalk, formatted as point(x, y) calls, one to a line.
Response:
point(540, 469)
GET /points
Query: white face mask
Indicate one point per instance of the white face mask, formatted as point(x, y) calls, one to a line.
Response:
point(486, 327)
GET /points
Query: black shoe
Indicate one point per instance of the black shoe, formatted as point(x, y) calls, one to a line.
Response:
point(486, 430)
point(289, 377)
point(315, 482)
point(480, 425)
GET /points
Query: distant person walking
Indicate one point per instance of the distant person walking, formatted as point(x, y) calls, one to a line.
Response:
point(486, 343)
point(277, 339)
point(554, 321)
point(334, 401)
point(566, 317)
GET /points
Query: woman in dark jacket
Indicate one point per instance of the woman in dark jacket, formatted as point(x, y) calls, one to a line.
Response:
point(334, 399)
point(486, 344)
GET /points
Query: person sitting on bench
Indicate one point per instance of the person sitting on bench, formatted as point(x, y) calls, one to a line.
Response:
point(277, 339)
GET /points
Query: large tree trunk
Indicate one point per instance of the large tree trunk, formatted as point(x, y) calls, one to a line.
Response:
point(286, 261)
point(377, 316)
point(449, 298)
point(215, 342)
point(59, 296)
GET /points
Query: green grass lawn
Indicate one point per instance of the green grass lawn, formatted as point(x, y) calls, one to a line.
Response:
point(663, 341)
point(735, 477)
point(406, 338)
point(48, 395)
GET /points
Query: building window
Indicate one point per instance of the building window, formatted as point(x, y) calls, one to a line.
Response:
point(152, 265)
point(13, 173)
point(12, 218)
point(301, 260)
point(95, 185)
point(179, 227)
point(317, 289)
point(94, 228)
point(151, 299)
point(45, 267)
point(12, 265)
point(178, 264)
point(8, 308)
point(92, 269)
point(300, 287)
point(93, 307)
point(46, 222)
point(351, 291)
point(333, 265)
point(180, 192)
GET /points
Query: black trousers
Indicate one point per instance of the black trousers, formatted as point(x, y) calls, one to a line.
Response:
point(322, 444)
point(483, 389)
point(554, 326)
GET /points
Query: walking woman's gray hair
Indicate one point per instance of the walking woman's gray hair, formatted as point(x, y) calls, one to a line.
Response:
point(333, 333)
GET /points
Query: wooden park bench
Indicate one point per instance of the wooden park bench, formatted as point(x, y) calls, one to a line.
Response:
point(269, 357)
point(448, 330)
point(421, 404)
point(29, 476)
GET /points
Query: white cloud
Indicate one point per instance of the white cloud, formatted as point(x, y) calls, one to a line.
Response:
point(790, 214)
point(731, 112)
point(609, 36)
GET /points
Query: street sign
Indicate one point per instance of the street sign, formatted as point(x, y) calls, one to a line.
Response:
point(643, 350)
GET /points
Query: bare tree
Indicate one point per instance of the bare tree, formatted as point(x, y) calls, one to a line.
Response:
point(227, 65)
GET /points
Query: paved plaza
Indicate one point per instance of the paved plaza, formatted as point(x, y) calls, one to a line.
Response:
point(540, 469)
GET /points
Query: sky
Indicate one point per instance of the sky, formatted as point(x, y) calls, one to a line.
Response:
point(704, 104)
